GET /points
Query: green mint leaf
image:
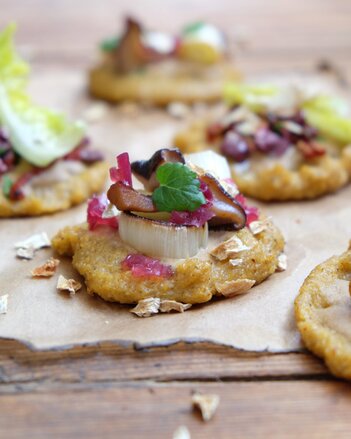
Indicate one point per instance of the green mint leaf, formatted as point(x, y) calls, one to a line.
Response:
point(6, 185)
point(179, 189)
point(109, 44)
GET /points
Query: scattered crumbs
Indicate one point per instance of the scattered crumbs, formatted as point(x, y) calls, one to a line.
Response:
point(235, 262)
point(46, 270)
point(154, 305)
point(130, 109)
point(70, 285)
point(172, 305)
point(25, 253)
point(207, 404)
point(282, 262)
point(229, 249)
point(182, 432)
point(147, 307)
point(178, 110)
point(107, 322)
point(257, 227)
point(3, 303)
point(27, 248)
point(95, 112)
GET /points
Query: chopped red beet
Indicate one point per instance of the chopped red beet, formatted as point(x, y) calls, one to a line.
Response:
point(146, 267)
point(96, 207)
point(123, 172)
point(252, 213)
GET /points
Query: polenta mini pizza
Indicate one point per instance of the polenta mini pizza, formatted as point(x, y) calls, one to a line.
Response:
point(283, 143)
point(46, 164)
point(323, 313)
point(159, 68)
point(186, 236)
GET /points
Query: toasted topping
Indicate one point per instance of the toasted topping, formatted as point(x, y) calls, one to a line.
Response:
point(227, 210)
point(207, 404)
point(154, 305)
point(46, 270)
point(258, 227)
point(235, 287)
point(3, 303)
point(229, 249)
point(145, 170)
point(70, 285)
point(182, 432)
point(125, 198)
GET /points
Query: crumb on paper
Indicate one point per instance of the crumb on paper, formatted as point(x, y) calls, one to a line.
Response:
point(172, 305)
point(178, 110)
point(130, 109)
point(229, 249)
point(282, 262)
point(182, 432)
point(70, 285)
point(25, 253)
point(46, 270)
point(3, 303)
point(207, 404)
point(154, 305)
point(27, 248)
point(235, 287)
point(95, 112)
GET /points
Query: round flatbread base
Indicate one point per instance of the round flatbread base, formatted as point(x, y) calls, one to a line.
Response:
point(323, 313)
point(58, 196)
point(312, 179)
point(164, 86)
point(97, 255)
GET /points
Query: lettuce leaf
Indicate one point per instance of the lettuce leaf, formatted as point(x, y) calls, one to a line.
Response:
point(330, 115)
point(37, 134)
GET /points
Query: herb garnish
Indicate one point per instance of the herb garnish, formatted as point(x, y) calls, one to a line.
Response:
point(179, 189)
point(6, 185)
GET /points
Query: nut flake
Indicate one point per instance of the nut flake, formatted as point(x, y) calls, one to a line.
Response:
point(95, 112)
point(282, 262)
point(259, 226)
point(70, 285)
point(235, 287)
point(172, 305)
point(178, 110)
point(207, 404)
point(27, 248)
point(154, 305)
point(229, 249)
point(181, 433)
point(3, 303)
point(235, 262)
point(46, 270)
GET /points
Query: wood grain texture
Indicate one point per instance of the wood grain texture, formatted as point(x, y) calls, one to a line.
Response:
point(108, 391)
point(300, 409)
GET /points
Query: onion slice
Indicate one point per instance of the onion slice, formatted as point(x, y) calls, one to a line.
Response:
point(160, 239)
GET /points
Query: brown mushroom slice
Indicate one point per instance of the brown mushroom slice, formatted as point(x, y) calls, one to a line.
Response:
point(145, 170)
point(228, 212)
point(127, 199)
point(131, 53)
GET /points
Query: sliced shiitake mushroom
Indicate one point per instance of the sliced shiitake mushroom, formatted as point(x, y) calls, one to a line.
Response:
point(131, 53)
point(145, 170)
point(125, 198)
point(228, 212)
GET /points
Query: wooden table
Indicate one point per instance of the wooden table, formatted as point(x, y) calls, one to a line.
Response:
point(108, 391)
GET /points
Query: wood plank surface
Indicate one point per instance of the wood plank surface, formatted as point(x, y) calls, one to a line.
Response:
point(109, 391)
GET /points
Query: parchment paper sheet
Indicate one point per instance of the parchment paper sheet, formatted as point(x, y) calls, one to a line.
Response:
point(261, 320)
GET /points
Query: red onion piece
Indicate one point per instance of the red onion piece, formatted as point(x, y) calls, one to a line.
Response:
point(145, 267)
point(96, 207)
